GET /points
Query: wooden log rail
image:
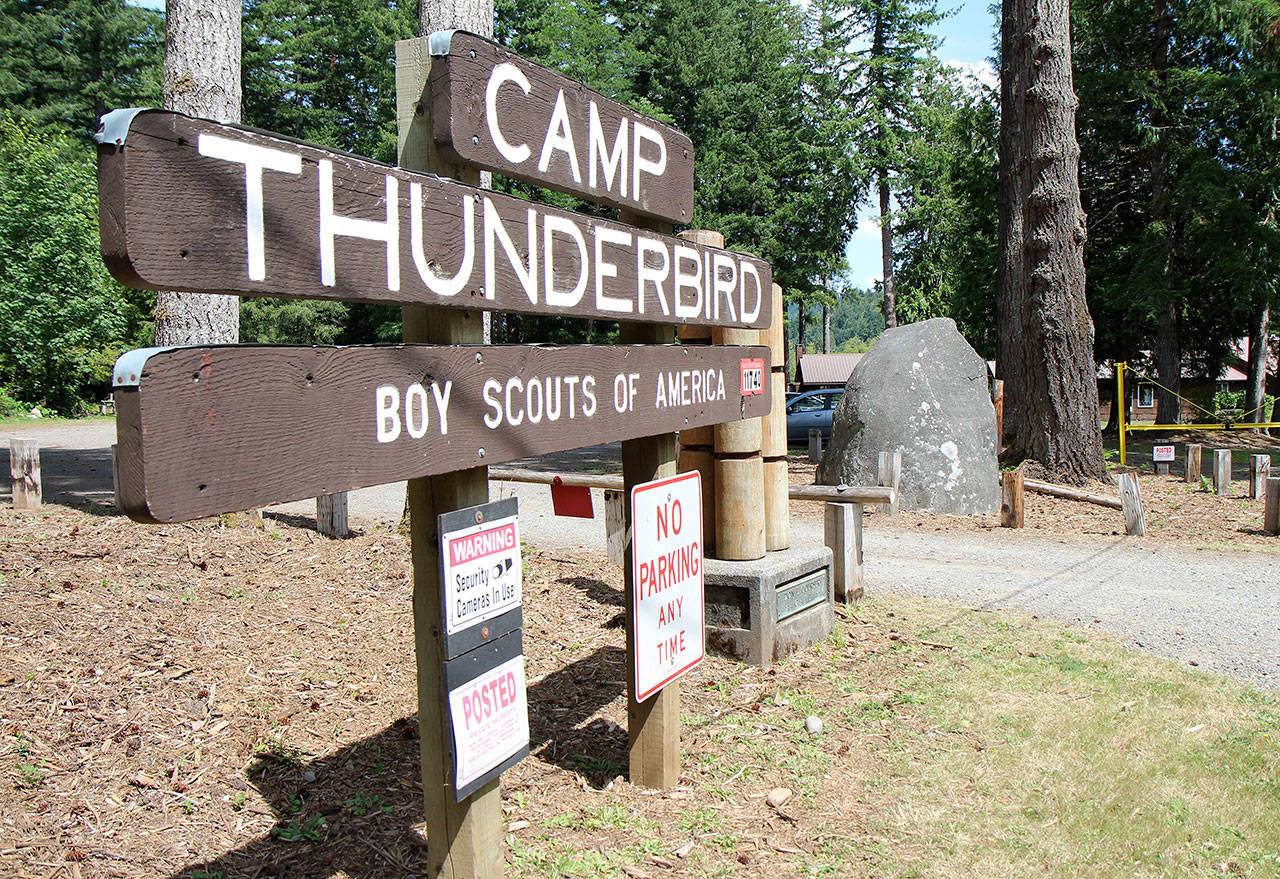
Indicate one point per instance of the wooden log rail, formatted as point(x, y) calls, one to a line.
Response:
point(852, 494)
point(1071, 494)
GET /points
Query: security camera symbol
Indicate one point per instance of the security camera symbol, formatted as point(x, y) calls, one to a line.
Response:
point(500, 570)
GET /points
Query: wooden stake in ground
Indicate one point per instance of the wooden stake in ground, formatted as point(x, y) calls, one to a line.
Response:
point(1193, 462)
point(1271, 515)
point(997, 400)
point(843, 532)
point(1222, 471)
point(24, 468)
point(464, 839)
point(1259, 472)
point(1131, 503)
point(331, 515)
point(1011, 498)
point(889, 473)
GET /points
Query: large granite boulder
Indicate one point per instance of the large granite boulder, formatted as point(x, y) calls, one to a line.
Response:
point(921, 389)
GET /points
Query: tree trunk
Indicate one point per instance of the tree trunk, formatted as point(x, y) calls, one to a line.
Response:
point(886, 252)
point(1058, 377)
point(1009, 361)
point(1168, 343)
point(1256, 390)
point(201, 78)
point(802, 324)
point(826, 329)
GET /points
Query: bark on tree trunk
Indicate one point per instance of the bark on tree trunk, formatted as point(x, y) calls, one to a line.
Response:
point(802, 315)
point(886, 252)
point(1168, 343)
point(1009, 263)
point(1058, 377)
point(1256, 391)
point(826, 329)
point(201, 78)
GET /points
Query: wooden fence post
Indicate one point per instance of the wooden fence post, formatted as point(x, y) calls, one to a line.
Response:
point(1271, 514)
point(115, 475)
point(889, 473)
point(1131, 504)
point(615, 525)
point(331, 515)
point(773, 435)
point(1222, 471)
point(843, 533)
point(24, 469)
point(697, 445)
point(815, 445)
point(1162, 468)
point(464, 839)
point(1259, 472)
point(1011, 498)
point(1193, 462)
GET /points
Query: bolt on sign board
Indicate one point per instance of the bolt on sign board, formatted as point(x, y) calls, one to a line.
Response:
point(1162, 454)
point(488, 712)
point(666, 540)
point(481, 574)
point(493, 109)
point(189, 204)
point(204, 430)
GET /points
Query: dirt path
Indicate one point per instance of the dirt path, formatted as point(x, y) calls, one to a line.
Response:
point(1217, 610)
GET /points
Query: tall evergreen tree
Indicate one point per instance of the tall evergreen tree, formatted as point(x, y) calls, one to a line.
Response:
point(66, 62)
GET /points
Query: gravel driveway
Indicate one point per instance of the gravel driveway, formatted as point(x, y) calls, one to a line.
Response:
point(1220, 611)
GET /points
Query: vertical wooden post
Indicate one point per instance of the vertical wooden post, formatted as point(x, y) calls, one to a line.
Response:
point(1011, 498)
point(1193, 462)
point(997, 400)
point(773, 435)
point(739, 474)
point(815, 445)
point(843, 534)
point(653, 726)
point(464, 840)
point(24, 469)
point(1162, 468)
point(697, 445)
point(115, 474)
point(889, 473)
point(331, 515)
point(615, 525)
point(1222, 471)
point(1131, 505)
point(1259, 472)
point(1271, 514)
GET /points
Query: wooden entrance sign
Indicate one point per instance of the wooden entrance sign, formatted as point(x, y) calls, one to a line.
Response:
point(493, 109)
point(188, 204)
point(208, 430)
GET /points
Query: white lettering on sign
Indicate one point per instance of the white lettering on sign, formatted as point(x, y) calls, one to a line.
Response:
point(417, 418)
point(1162, 453)
point(721, 287)
point(490, 719)
point(482, 573)
point(689, 387)
point(666, 575)
point(606, 163)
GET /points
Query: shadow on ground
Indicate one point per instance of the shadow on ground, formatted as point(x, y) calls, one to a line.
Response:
point(357, 814)
point(79, 478)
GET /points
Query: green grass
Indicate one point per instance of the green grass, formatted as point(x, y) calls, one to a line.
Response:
point(27, 421)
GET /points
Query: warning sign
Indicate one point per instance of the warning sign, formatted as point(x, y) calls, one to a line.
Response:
point(666, 517)
point(1162, 453)
point(481, 576)
point(488, 712)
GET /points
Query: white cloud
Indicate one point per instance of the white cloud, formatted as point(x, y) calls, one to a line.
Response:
point(975, 73)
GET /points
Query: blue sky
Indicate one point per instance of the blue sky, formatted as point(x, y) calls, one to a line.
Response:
point(968, 39)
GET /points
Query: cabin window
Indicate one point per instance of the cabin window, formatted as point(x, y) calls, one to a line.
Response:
point(1146, 396)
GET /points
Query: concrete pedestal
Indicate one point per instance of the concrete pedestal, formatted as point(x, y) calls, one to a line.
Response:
point(760, 611)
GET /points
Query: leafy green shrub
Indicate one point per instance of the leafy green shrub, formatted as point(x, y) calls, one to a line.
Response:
point(1229, 406)
point(63, 319)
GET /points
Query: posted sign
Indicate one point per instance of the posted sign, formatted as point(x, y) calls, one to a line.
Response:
point(666, 517)
point(488, 712)
point(1162, 453)
point(481, 576)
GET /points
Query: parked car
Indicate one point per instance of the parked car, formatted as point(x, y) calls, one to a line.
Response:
point(809, 409)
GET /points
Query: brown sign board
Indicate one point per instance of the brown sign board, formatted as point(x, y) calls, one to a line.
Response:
point(205, 430)
point(495, 110)
point(188, 204)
